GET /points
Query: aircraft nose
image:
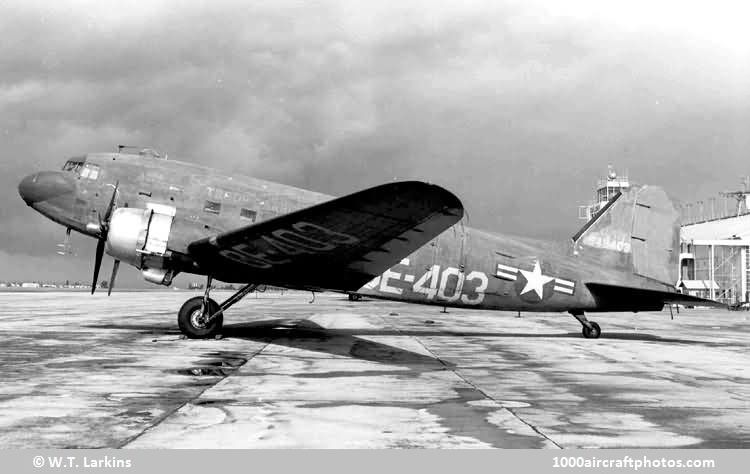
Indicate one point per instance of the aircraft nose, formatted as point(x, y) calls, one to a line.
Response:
point(45, 185)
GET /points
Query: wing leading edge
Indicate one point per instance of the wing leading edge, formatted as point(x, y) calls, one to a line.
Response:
point(337, 245)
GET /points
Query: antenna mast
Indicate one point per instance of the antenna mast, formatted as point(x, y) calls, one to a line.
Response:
point(740, 196)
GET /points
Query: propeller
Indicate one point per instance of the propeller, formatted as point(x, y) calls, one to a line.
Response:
point(115, 267)
point(103, 231)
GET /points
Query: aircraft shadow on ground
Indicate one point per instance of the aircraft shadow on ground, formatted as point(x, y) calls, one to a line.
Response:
point(308, 335)
point(296, 328)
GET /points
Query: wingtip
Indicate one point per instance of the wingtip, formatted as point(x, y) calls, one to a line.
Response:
point(452, 205)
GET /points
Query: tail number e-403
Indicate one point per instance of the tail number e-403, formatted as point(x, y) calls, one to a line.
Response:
point(438, 285)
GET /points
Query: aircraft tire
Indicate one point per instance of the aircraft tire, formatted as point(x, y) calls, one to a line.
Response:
point(592, 333)
point(191, 327)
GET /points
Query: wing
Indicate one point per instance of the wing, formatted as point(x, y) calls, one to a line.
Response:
point(337, 245)
point(625, 298)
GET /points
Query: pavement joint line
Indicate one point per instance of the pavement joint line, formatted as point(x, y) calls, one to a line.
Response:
point(488, 397)
point(162, 418)
point(474, 386)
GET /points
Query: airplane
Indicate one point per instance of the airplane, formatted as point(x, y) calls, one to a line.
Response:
point(405, 241)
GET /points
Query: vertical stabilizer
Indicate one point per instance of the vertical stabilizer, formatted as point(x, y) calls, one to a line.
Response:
point(637, 230)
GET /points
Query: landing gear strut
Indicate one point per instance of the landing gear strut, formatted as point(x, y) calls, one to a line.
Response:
point(201, 317)
point(590, 329)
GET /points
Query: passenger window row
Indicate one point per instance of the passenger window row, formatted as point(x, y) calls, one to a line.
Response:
point(213, 207)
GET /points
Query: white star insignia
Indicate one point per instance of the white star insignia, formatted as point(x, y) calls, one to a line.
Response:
point(535, 281)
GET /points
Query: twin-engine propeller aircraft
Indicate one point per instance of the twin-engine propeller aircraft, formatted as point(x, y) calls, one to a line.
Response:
point(403, 241)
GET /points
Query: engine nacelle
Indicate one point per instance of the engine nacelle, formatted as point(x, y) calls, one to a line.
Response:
point(127, 229)
point(137, 236)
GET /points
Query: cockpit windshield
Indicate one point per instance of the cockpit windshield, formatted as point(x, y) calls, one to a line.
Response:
point(73, 165)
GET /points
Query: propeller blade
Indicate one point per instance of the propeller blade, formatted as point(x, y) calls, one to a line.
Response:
point(111, 206)
point(97, 262)
point(103, 231)
point(115, 267)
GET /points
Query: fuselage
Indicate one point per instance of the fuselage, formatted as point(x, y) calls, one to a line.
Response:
point(462, 267)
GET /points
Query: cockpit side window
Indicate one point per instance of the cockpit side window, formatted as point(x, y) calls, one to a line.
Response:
point(90, 171)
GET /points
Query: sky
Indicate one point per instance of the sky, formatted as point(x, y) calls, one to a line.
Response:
point(518, 107)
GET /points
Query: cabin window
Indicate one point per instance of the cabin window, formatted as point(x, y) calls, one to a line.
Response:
point(212, 207)
point(248, 214)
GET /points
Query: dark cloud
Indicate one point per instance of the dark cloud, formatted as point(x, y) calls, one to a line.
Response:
point(517, 107)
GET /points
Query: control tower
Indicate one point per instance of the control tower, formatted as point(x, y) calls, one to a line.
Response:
point(605, 190)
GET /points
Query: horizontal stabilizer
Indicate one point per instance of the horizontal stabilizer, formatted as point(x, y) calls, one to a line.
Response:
point(625, 298)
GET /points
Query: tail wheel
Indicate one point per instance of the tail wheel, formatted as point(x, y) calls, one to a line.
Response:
point(593, 333)
point(192, 319)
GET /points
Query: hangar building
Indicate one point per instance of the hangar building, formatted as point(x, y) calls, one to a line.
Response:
point(714, 259)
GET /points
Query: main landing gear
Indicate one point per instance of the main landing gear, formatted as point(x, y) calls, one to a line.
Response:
point(590, 329)
point(201, 317)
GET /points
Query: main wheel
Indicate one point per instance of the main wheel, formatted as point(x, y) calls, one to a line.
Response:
point(354, 297)
point(592, 333)
point(192, 322)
